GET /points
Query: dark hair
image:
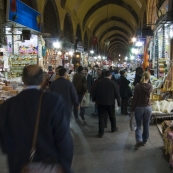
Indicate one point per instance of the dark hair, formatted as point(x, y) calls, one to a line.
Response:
point(60, 67)
point(62, 71)
point(122, 72)
point(139, 71)
point(80, 68)
point(108, 73)
point(86, 69)
point(50, 68)
point(32, 75)
point(116, 71)
point(103, 74)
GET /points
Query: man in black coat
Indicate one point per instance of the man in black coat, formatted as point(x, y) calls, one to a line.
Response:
point(89, 80)
point(80, 84)
point(125, 92)
point(17, 124)
point(67, 90)
point(105, 94)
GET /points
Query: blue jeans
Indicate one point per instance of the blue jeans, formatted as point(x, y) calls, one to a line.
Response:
point(142, 114)
point(82, 109)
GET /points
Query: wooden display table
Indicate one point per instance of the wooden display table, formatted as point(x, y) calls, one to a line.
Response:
point(156, 116)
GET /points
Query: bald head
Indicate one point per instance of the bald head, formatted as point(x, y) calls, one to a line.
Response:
point(32, 75)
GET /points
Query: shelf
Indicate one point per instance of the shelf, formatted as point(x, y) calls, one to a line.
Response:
point(24, 60)
point(25, 54)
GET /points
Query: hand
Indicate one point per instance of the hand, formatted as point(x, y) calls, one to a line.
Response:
point(78, 107)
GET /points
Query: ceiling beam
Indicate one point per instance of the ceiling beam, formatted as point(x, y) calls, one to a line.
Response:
point(104, 3)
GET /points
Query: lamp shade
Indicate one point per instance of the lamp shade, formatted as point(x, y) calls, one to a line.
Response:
point(107, 42)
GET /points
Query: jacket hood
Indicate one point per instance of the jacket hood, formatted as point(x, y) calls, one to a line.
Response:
point(146, 87)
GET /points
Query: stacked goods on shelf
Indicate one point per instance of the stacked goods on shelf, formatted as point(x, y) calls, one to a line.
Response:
point(167, 132)
point(9, 89)
point(163, 88)
point(162, 66)
point(168, 85)
point(18, 62)
point(163, 106)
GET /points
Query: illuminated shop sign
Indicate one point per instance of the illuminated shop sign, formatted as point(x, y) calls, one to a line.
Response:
point(24, 15)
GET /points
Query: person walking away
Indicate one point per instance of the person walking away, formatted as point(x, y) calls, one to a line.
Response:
point(17, 123)
point(52, 74)
point(142, 107)
point(138, 75)
point(89, 80)
point(99, 72)
point(67, 90)
point(125, 92)
point(94, 72)
point(57, 73)
point(80, 84)
point(105, 94)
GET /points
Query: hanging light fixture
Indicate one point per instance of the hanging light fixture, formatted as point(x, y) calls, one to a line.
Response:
point(107, 41)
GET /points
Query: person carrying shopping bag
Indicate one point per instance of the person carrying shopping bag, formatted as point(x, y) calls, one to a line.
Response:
point(141, 106)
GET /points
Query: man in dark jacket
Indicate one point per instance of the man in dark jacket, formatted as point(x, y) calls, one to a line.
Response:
point(125, 92)
point(105, 94)
point(17, 124)
point(66, 89)
point(79, 81)
point(89, 80)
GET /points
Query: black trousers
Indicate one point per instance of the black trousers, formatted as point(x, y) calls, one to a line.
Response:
point(103, 112)
point(124, 104)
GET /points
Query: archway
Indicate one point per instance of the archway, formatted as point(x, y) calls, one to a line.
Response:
point(30, 3)
point(78, 33)
point(51, 19)
point(86, 40)
point(68, 29)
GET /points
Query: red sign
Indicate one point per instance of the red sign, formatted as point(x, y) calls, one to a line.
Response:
point(94, 40)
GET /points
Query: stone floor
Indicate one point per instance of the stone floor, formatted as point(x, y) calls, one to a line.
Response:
point(114, 153)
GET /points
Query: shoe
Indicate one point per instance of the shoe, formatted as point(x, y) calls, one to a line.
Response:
point(82, 116)
point(77, 119)
point(143, 143)
point(99, 135)
point(94, 114)
point(125, 113)
point(138, 144)
point(115, 130)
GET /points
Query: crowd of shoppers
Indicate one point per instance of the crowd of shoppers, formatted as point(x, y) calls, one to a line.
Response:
point(61, 95)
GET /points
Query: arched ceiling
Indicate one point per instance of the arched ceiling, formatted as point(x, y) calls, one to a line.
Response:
point(115, 20)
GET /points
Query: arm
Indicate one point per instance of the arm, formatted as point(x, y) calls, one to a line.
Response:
point(134, 100)
point(117, 95)
point(62, 136)
point(84, 85)
point(73, 95)
point(3, 115)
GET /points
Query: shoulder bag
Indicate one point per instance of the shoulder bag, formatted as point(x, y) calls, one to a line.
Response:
point(39, 167)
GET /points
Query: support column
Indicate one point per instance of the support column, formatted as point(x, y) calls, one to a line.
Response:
point(163, 42)
point(156, 53)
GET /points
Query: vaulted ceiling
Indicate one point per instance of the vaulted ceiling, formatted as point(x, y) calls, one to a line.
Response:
point(113, 20)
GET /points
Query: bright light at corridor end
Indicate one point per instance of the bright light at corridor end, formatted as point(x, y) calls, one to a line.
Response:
point(132, 57)
point(126, 58)
point(133, 39)
point(91, 51)
point(139, 44)
point(119, 55)
point(56, 45)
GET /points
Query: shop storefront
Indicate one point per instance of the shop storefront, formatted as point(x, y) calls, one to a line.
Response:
point(22, 44)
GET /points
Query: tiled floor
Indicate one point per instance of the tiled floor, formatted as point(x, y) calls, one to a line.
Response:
point(114, 153)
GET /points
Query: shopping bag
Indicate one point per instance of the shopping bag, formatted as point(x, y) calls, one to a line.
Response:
point(133, 122)
point(83, 102)
point(116, 105)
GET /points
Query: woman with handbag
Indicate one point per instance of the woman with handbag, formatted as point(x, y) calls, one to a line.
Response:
point(142, 108)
